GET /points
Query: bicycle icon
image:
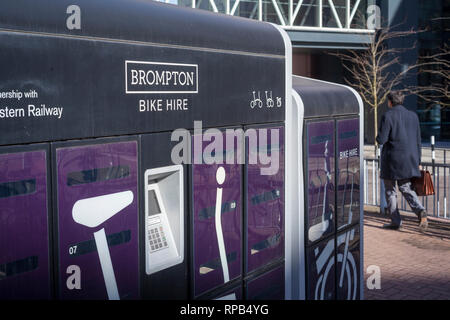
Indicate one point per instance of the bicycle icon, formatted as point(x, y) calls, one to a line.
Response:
point(279, 102)
point(269, 100)
point(256, 101)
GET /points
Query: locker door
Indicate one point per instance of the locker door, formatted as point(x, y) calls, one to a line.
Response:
point(98, 220)
point(216, 241)
point(24, 251)
point(265, 198)
point(320, 213)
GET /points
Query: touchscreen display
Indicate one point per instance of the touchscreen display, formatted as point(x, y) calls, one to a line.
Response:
point(153, 205)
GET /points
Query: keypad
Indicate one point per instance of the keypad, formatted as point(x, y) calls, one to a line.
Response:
point(157, 239)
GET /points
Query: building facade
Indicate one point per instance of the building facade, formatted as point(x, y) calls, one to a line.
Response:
point(320, 27)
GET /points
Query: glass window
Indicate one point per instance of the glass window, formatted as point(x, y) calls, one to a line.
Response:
point(95, 175)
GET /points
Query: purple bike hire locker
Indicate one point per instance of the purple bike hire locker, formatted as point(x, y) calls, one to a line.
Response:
point(269, 286)
point(98, 221)
point(265, 200)
point(348, 152)
point(321, 169)
point(217, 243)
point(24, 246)
point(348, 264)
point(320, 270)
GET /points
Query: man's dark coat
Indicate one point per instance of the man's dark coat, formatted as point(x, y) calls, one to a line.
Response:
point(399, 134)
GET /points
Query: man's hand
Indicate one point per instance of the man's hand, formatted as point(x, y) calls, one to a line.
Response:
point(420, 168)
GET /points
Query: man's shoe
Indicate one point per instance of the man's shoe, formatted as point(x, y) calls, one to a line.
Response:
point(422, 214)
point(392, 226)
point(423, 221)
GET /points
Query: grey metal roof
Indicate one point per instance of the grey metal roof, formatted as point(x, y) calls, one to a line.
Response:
point(144, 21)
point(323, 99)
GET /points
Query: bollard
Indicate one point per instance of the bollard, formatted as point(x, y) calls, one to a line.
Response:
point(433, 161)
point(383, 203)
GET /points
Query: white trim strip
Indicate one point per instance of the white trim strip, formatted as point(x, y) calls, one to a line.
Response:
point(292, 196)
point(328, 29)
point(297, 142)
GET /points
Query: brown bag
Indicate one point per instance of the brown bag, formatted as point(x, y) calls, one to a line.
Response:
point(423, 185)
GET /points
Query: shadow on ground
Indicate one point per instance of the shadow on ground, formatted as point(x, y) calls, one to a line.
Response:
point(414, 265)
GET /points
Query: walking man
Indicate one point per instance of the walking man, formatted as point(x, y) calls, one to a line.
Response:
point(399, 134)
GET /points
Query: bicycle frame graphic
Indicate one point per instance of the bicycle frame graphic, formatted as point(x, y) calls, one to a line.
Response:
point(325, 261)
point(256, 101)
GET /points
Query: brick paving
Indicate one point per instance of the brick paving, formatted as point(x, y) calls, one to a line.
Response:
point(414, 265)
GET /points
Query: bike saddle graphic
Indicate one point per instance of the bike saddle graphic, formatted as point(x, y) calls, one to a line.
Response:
point(91, 213)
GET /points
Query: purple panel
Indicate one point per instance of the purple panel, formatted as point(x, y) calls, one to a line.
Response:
point(265, 204)
point(320, 271)
point(86, 172)
point(208, 271)
point(24, 253)
point(348, 205)
point(349, 252)
point(321, 170)
point(269, 286)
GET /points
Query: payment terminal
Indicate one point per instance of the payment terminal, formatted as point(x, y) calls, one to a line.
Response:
point(162, 221)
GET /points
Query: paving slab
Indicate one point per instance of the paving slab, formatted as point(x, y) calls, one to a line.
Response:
point(413, 265)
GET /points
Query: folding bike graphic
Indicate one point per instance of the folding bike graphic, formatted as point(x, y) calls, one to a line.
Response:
point(325, 259)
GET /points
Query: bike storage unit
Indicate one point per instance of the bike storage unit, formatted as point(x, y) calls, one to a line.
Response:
point(328, 121)
point(92, 203)
point(142, 159)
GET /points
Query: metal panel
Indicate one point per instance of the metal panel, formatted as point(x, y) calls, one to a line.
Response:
point(155, 152)
point(325, 99)
point(24, 251)
point(265, 201)
point(132, 20)
point(78, 111)
point(98, 221)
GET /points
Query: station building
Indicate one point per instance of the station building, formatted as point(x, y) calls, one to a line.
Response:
point(320, 27)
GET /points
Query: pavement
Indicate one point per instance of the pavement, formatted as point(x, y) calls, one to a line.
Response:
point(413, 265)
